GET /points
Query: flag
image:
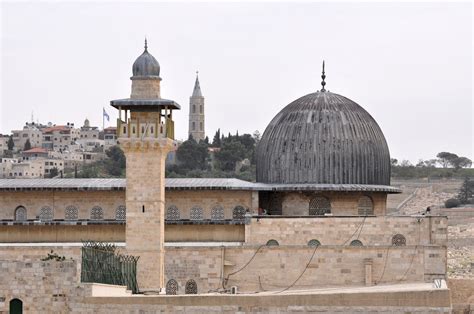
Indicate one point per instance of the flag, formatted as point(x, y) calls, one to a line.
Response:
point(106, 115)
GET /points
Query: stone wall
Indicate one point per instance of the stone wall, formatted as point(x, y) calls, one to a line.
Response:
point(67, 232)
point(426, 230)
point(50, 286)
point(186, 200)
point(83, 201)
point(109, 201)
point(275, 268)
point(297, 204)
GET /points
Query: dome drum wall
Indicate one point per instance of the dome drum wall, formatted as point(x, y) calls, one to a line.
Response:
point(323, 138)
point(341, 204)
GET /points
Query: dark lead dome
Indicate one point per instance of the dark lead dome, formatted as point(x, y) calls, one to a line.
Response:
point(146, 64)
point(323, 138)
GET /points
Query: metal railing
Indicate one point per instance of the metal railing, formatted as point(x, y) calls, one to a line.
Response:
point(101, 263)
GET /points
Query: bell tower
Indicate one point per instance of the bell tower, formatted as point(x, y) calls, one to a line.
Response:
point(145, 132)
point(196, 113)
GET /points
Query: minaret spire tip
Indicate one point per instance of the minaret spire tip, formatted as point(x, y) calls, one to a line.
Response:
point(323, 76)
point(146, 44)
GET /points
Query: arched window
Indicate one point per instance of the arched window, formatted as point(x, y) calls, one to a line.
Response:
point(356, 243)
point(319, 205)
point(313, 243)
point(200, 126)
point(121, 213)
point(191, 287)
point(365, 206)
point(97, 213)
point(46, 213)
point(172, 287)
point(194, 126)
point(196, 213)
point(20, 213)
point(200, 108)
point(272, 243)
point(399, 240)
point(217, 213)
point(172, 213)
point(16, 306)
point(71, 213)
point(194, 108)
point(238, 212)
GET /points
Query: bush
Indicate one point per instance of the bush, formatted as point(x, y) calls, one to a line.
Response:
point(452, 202)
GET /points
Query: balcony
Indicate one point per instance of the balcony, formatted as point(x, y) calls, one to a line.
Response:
point(146, 129)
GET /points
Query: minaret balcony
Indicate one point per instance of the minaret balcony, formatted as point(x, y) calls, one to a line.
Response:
point(145, 129)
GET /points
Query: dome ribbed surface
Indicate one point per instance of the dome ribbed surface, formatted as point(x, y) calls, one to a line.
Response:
point(146, 65)
point(323, 138)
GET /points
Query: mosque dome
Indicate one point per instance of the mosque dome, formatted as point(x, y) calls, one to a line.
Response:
point(146, 64)
point(323, 138)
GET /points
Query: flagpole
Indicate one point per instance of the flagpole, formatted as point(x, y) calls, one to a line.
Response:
point(103, 121)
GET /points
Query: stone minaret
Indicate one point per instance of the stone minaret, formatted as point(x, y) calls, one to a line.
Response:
point(196, 113)
point(145, 132)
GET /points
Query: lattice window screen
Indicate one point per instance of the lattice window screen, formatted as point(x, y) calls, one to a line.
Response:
point(46, 213)
point(319, 205)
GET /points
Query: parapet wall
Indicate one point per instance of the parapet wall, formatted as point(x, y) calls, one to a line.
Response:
point(51, 286)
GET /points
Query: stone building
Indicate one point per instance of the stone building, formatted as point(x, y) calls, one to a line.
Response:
point(196, 113)
point(311, 235)
point(31, 132)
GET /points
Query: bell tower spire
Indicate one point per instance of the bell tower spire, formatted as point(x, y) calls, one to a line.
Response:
point(196, 113)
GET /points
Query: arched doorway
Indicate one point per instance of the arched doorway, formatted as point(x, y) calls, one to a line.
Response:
point(16, 306)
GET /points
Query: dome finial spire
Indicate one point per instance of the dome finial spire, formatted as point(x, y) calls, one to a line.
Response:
point(323, 76)
point(146, 45)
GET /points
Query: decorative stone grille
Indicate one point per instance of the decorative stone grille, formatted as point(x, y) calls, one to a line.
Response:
point(238, 212)
point(272, 243)
point(172, 287)
point(20, 213)
point(46, 213)
point(121, 213)
point(319, 205)
point(71, 213)
point(97, 213)
point(196, 213)
point(217, 213)
point(191, 287)
point(365, 206)
point(356, 243)
point(399, 240)
point(172, 213)
point(314, 243)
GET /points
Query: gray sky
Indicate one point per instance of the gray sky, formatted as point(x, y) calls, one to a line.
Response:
point(408, 64)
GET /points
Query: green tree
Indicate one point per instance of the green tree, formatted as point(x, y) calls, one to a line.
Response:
point(393, 162)
point(466, 191)
point(10, 143)
point(446, 158)
point(115, 164)
point(216, 141)
point(461, 162)
point(231, 152)
point(27, 145)
point(192, 155)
